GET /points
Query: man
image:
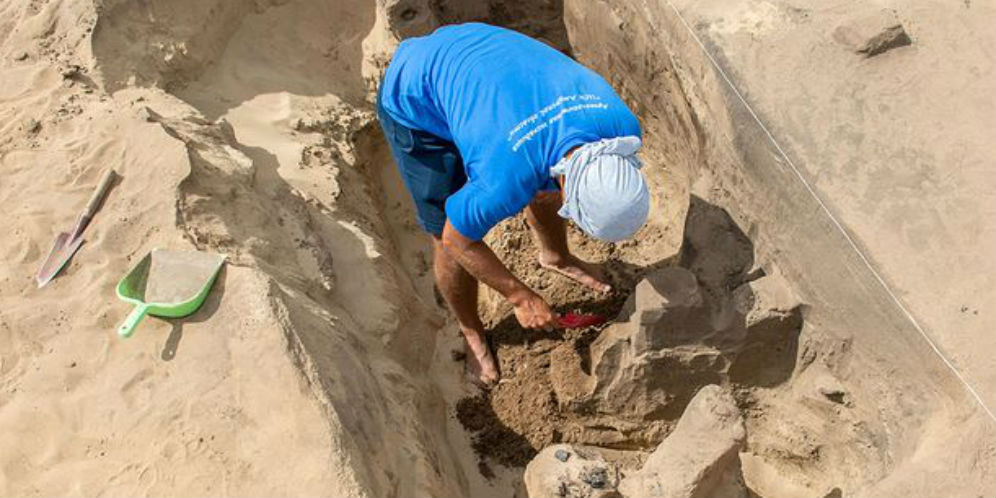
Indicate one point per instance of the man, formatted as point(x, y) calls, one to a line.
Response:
point(485, 122)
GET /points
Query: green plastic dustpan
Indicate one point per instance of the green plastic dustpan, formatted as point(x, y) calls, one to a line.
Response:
point(167, 283)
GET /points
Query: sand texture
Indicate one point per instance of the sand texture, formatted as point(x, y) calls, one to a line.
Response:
point(323, 362)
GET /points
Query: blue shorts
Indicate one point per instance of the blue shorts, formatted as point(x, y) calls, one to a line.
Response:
point(431, 168)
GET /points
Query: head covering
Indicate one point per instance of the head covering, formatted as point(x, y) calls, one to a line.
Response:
point(604, 192)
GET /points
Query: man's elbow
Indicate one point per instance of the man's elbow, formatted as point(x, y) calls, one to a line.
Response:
point(453, 241)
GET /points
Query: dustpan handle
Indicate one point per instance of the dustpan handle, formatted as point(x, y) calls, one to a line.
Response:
point(136, 316)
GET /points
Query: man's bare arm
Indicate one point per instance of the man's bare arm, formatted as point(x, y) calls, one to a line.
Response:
point(481, 262)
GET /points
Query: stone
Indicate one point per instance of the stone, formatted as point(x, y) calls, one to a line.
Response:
point(769, 297)
point(872, 34)
point(70, 71)
point(772, 320)
point(766, 479)
point(595, 477)
point(831, 389)
point(408, 18)
point(700, 458)
point(888, 39)
point(585, 475)
point(648, 367)
point(836, 395)
point(669, 310)
point(755, 272)
point(31, 126)
point(148, 115)
point(672, 337)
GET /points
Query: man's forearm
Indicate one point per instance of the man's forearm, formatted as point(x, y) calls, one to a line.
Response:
point(481, 262)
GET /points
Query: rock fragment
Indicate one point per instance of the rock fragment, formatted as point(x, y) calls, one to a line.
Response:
point(70, 71)
point(831, 389)
point(836, 395)
point(585, 474)
point(408, 18)
point(700, 458)
point(669, 310)
point(772, 322)
point(31, 126)
point(873, 34)
point(670, 340)
point(890, 38)
point(666, 339)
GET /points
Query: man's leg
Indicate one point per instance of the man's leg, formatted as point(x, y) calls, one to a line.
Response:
point(550, 231)
point(459, 289)
point(432, 171)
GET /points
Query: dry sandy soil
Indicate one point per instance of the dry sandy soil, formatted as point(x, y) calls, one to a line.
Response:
point(322, 362)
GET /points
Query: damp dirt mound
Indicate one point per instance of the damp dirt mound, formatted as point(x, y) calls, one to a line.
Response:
point(521, 414)
point(691, 322)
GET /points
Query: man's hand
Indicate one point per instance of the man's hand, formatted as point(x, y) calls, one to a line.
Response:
point(533, 312)
point(475, 256)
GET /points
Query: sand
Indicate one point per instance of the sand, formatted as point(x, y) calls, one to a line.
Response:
point(229, 401)
point(321, 363)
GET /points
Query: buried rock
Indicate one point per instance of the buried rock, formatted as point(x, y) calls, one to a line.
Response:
point(772, 320)
point(649, 367)
point(566, 471)
point(874, 34)
point(671, 340)
point(700, 458)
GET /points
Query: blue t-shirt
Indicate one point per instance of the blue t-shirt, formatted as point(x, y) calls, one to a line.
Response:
point(512, 105)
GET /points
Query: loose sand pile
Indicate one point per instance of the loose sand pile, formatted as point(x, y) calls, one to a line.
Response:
point(322, 361)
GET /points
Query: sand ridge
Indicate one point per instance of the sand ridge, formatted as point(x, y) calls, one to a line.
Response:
point(235, 399)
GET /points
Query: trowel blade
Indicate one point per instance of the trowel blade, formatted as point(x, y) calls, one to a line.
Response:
point(62, 251)
point(578, 321)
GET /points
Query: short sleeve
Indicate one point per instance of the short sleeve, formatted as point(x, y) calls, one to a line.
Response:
point(475, 208)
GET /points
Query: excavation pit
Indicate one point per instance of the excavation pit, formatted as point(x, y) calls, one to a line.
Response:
point(738, 281)
point(623, 385)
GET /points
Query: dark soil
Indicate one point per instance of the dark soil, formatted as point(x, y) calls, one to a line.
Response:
point(522, 415)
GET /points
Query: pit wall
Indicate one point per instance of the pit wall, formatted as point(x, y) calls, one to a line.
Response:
point(903, 395)
point(897, 140)
point(164, 44)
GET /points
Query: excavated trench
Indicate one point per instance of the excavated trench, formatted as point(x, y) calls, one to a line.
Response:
point(282, 138)
point(586, 386)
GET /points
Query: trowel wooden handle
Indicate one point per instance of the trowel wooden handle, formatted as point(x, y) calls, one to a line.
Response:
point(105, 183)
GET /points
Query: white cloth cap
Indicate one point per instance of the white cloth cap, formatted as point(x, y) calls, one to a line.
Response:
point(604, 192)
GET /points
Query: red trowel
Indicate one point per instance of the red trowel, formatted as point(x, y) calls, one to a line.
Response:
point(573, 320)
point(66, 244)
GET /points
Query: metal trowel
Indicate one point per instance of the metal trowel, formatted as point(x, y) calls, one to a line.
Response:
point(66, 244)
